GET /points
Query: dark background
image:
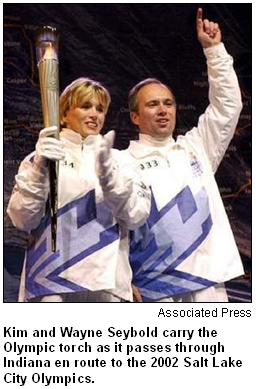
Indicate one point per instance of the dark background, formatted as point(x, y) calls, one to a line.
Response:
point(119, 45)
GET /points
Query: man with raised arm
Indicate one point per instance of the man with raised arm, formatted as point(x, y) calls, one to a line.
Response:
point(186, 250)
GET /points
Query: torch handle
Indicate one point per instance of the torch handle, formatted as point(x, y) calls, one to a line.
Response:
point(49, 86)
point(53, 168)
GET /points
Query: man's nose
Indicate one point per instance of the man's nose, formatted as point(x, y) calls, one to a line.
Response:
point(162, 109)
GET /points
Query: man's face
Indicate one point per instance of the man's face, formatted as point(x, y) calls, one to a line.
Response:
point(86, 120)
point(156, 111)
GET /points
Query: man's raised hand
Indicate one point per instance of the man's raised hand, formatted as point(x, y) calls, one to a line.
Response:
point(208, 32)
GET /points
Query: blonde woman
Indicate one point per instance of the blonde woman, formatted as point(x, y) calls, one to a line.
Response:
point(96, 207)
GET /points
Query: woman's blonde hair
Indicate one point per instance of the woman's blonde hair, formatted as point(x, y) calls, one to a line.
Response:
point(80, 91)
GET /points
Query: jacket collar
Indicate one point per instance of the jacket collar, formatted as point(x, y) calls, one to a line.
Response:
point(76, 139)
point(147, 145)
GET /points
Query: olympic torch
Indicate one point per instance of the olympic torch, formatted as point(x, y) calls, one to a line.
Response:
point(47, 40)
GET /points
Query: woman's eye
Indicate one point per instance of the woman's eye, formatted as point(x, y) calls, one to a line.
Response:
point(86, 106)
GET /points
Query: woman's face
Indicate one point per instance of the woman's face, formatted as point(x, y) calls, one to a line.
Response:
point(86, 120)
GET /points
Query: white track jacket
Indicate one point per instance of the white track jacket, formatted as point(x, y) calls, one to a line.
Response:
point(92, 228)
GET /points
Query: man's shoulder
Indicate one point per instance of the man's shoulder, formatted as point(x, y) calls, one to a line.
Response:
point(120, 153)
point(123, 158)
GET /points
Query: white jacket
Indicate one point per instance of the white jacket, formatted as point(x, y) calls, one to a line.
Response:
point(187, 243)
point(92, 244)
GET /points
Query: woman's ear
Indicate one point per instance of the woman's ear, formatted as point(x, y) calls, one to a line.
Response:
point(64, 121)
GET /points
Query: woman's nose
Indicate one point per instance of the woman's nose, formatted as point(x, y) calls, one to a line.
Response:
point(93, 111)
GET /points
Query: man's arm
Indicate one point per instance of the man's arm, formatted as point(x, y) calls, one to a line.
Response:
point(217, 125)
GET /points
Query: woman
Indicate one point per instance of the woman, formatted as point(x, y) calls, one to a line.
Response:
point(95, 210)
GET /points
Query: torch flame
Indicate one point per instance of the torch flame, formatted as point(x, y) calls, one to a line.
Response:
point(49, 52)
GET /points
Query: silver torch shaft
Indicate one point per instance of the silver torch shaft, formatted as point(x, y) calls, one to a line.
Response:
point(48, 66)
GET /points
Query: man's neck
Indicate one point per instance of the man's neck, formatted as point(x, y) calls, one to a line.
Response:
point(153, 141)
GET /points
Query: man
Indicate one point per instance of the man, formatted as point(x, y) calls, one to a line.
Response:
point(94, 213)
point(186, 250)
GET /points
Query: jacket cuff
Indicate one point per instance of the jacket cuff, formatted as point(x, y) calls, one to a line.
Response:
point(216, 51)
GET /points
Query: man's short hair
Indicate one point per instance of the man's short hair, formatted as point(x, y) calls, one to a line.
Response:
point(80, 91)
point(132, 100)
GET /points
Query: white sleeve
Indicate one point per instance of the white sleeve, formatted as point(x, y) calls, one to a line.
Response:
point(27, 203)
point(130, 199)
point(217, 125)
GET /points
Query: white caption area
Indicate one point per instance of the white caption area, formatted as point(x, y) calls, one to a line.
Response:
point(119, 345)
